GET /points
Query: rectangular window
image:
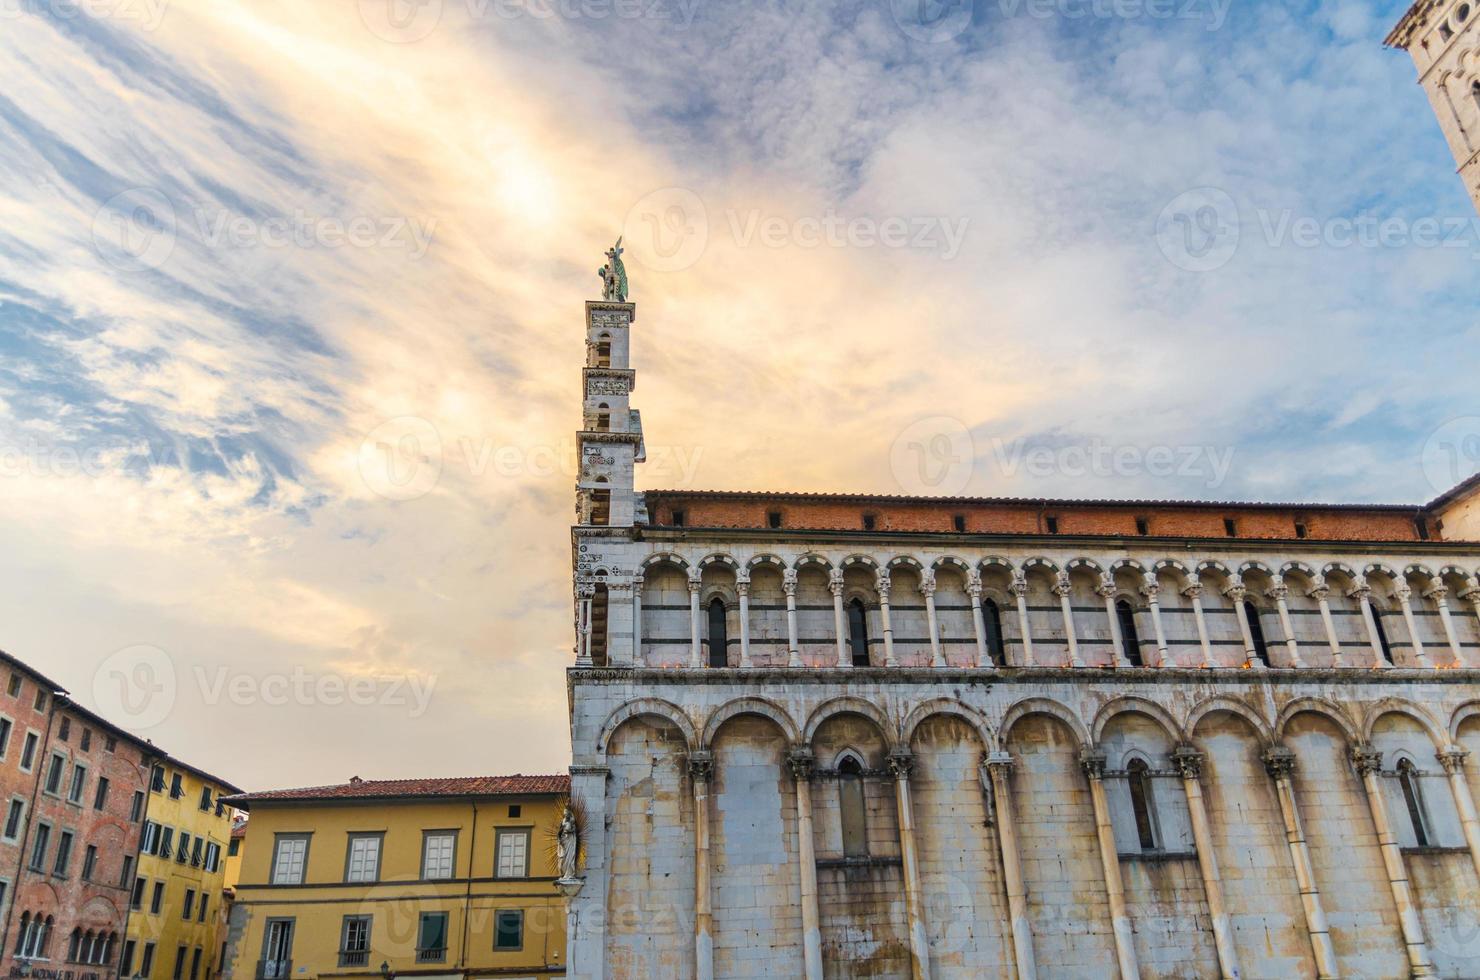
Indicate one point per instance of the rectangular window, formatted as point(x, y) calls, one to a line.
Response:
point(205, 903)
point(1302, 530)
point(289, 858)
point(5, 727)
point(79, 783)
point(150, 842)
point(65, 731)
point(1422, 527)
point(86, 739)
point(128, 871)
point(100, 797)
point(89, 862)
point(234, 848)
point(438, 853)
point(179, 973)
point(156, 900)
point(136, 809)
point(136, 899)
point(146, 965)
point(213, 857)
point(110, 744)
point(195, 852)
point(869, 522)
point(1052, 523)
point(182, 854)
point(773, 519)
point(277, 950)
point(431, 938)
point(959, 523)
point(15, 685)
point(513, 854)
point(166, 841)
point(54, 775)
point(189, 903)
point(28, 752)
point(126, 968)
point(515, 810)
point(177, 786)
point(1230, 527)
point(64, 854)
point(680, 517)
point(40, 703)
point(508, 931)
point(156, 779)
point(205, 798)
point(362, 864)
point(13, 819)
point(354, 943)
point(1143, 526)
point(195, 964)
point(39, 847)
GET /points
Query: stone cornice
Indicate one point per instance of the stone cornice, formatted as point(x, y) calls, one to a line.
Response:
point(587, 435)
point(1273, 677)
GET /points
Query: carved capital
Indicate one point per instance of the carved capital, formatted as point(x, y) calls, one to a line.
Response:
point(1471, 593)
point(802, 763)
point(1362, 593)
point(1438, 593)
point(585, 590)
point(835, 583)
point(1106, 590)
point(927, 585)
point(1279, 762)
point(1188, 760)
point(882, 585)
point(1151, 591)
point(1366, 759)
point(1453, 759)
point(742, 587)
point(701, 765)
point(1279, 593)
point(1193, 592)
point(1320, 593)
point(1019, 587)
point(1093, 762)
point(1062, 586)
point(789, 582)
point(901, 763)
point(1403, 594)
point(1236, 593)
point(1000, 762)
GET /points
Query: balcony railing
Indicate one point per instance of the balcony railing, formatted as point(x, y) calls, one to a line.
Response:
point(436, 954)
point(274, 969)
point(354, 957)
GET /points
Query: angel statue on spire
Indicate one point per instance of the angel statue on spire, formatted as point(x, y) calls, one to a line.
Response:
point(614, 275)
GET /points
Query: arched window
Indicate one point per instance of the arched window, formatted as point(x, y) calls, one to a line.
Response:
point(600, 605)
point(1132, 641)
point(603, 351)
point(601, 507)
point(1382, 638)
point(1139, 779)
point(23, 936)
point(719, 643)
point(996, 649)
point(74, 946)
point(603, 417)
point(1413, 800)
point(851, 807)
point(1256, 633)
point(858, 633)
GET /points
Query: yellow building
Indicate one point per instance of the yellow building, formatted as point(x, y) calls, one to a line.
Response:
point(176, 923)
point(426, 878)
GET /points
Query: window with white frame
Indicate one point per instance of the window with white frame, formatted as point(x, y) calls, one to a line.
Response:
point(289, 859)
point(362, 864)
point(513, 854)
point(438, 853)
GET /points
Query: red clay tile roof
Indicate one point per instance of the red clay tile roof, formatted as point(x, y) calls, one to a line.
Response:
point(387, 789)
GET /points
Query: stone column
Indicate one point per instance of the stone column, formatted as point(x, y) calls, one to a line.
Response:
point(1194, 595)
point(1093, 762)
point(586, 937)
point(742, 586)
point(883, 586)
point(637, 622)
point(1453, 761)
point(1106, 591)
point(1281, 596)
point(840, 623)
point(1279, 762)
point(584, 594)
point(1440, 595)
point(1064, 590)
point(701, 769)
point(1019, 590)
point(1322, 595)
point(927, 589)
point(1152, 592)
point(696, 632)
point(978, 621)
point(1472, 595)
point(793, 645)
point(1189, 762)
point(1236, 594)
point(802, 764)
point(901, 764)
point(1368, 763)
point(999, 766)
point(1363, 594)
point(1405, 602)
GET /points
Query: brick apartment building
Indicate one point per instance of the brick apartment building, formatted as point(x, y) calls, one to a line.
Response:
point(73, 792)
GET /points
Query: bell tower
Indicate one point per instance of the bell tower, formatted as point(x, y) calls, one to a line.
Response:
point(1440, 36)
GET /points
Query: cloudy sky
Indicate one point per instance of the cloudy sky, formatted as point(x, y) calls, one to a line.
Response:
point(291, 329)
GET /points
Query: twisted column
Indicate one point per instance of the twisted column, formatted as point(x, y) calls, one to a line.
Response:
point(1279, 762)
point(1093, 762)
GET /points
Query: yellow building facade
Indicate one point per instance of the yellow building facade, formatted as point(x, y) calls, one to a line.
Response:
point(435, 878)
point(176, 921)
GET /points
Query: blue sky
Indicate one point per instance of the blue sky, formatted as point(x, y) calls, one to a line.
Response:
point(290, 312)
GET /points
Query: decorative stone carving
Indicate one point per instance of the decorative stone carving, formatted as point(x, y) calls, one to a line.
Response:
point(1320, 593)
point(802, 763)
point(1018, 587)
point(1188, 760)
point(835, 583)
point(1366, 759)
point(1193, 592)
point(1453, 759)
point(1151, 591)
point(901, 763)
point(1093, 762)
point(1062, 586)
point(1279, 762)
point(789, 582)
point(1278, 593)
point(701, 765)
